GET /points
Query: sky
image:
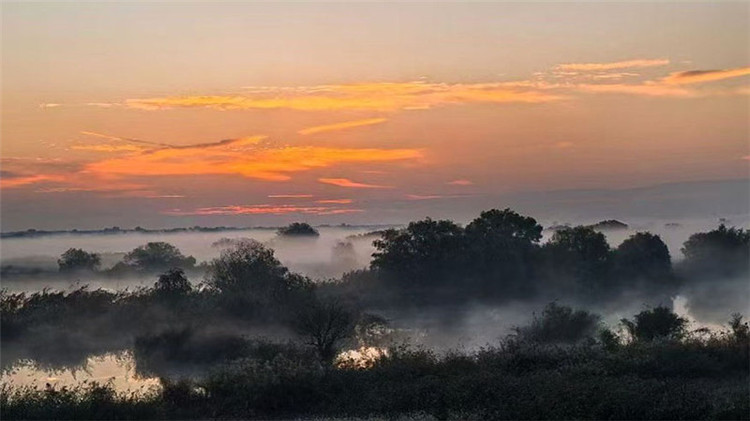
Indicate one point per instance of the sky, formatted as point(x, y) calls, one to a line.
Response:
point(242, 114)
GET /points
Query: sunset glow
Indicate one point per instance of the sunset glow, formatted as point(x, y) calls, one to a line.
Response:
point(254, 124)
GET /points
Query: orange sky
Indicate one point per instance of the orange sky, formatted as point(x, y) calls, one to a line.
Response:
point(247, 114)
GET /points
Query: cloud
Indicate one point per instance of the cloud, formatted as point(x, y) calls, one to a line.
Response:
point(564, 145)
point(424, 197)
point(334, 201)
point(460, 183)
point(627, 64)
point(107, 148)
point(243, 157)
point(644, 89)
point(24, 180)
point(345, 182)
point(702, 76)
point(263, 209)
point(341, 126)
point(124, 139)
point(289, 196)
point(382, 96)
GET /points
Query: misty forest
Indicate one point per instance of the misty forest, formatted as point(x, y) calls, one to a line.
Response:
point(500, 318)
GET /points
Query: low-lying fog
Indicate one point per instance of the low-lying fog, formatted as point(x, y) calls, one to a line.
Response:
point(318, 258)
point(324, 258)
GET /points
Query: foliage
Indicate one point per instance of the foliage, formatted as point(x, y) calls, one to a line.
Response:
point(425, 252)
point(77, 260)
point(298, 229)
point(643, 256)
point(723, 252)
point(560, 324)
point(173, 282)
point(656, 323)
point(249, 278)
point(157, 257)
point(325, 324)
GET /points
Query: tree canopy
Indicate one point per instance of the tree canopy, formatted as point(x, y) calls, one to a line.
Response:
point(78, 260)
point(298, 229)
point(157, 257)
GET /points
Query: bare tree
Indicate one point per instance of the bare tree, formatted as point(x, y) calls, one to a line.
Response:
point(325, 324)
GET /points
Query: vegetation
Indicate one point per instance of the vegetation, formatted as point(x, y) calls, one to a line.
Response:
point(255, 340)
point(298, 229)
point(156, 257)
point(78, 260)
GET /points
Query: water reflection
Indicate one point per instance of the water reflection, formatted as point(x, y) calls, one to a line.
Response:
point(117, 369)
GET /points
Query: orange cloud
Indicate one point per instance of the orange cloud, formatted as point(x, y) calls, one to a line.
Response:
point(263, 209)
point(335, 201)
point(627, 64)
point(342, 126)
point(242, 157)
point(701, 76)
point(384, 96)
point(345, 182)
point(13, 182)
point(459, 183)
point(289, 196)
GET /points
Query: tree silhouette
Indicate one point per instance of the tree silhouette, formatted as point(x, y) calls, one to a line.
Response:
point(656, 323)
point(298, 229)
point(325, 324)
point(426, 251)
point(173, 283)
point(77, 259)
point(501, 246)
point(156, 257)
point(580, 254)
point(645, 257)
point(723, 252)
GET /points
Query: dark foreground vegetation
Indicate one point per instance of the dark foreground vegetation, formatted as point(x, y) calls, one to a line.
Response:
point(254, 340)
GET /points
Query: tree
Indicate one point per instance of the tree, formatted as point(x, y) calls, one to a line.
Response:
point(643, 256)
point(579, 253)
point(424, 252)
point(656, 323)
point(78, 260)
point(723, 252)
point(298, 229)
point(157, 257)
point(325, 324)
point(173, 283)
point(250, 271)
point(501, 246)
point(560, 324)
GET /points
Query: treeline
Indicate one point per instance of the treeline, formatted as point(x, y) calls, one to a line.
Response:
point(499, 257)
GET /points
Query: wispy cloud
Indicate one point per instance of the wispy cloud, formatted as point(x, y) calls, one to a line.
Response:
point(262, 209)
point(242, 157)
point(334, 201)
point(342, 126)
point(289, 196)
point(383, 96)
point(702, 76)
point(20, 181)
point(345, 182)
point(424, 197)
point(643, 89)
point(460, 182)
point(626, 64)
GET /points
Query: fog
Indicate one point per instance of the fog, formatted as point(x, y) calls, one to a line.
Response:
point(318, 258)
point(447, 323)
